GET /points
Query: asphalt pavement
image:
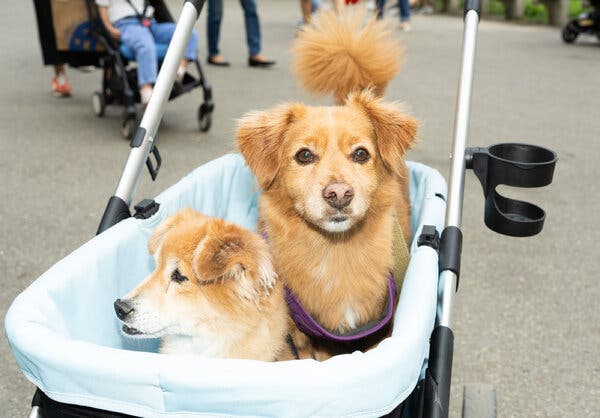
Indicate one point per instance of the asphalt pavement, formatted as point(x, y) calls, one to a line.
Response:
point(526, 317)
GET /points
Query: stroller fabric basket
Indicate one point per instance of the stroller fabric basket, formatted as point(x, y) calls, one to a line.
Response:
point(67, 340)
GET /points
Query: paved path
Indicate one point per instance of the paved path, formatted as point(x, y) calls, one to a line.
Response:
point(527, 317)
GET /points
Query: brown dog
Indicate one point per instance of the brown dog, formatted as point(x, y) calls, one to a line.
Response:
point(340, 55)
point(214, 292)
point(332, 189)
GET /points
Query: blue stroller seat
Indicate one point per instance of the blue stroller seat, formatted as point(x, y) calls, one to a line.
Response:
point(161, 51)
point(67, 340)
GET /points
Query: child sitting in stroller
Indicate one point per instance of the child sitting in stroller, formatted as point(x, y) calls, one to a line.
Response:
point(130, 22)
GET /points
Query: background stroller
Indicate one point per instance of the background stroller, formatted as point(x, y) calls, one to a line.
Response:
point(587, 23)
point(527, 158)
point(80, 31)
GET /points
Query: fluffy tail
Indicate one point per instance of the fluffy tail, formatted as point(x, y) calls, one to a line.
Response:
point(341, 55)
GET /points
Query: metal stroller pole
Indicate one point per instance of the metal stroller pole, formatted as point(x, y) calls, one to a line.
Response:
point(439, 371)
point(142, 143)
point(456, 181)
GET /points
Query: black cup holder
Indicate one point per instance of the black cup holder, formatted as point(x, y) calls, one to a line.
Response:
point(517, 165)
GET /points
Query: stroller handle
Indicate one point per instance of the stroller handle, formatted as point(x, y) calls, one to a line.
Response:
point(473, 5)
point(155, 109)
point(144, 139)
point(439, 371)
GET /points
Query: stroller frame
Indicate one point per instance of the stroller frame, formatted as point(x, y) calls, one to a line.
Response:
point(512, 164)
point(118, 82)
point(587, 23)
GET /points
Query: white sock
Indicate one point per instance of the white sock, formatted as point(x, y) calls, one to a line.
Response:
point(61, 79)
point(180, 72)
point(145, 95)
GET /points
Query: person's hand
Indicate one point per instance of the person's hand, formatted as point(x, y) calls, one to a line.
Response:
point(114, 33)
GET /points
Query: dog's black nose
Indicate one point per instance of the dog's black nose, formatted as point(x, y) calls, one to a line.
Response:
point(122, 308)
point(338, 195)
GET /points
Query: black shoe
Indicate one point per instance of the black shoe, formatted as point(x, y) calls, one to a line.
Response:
point(253, 62)
point(223, 63)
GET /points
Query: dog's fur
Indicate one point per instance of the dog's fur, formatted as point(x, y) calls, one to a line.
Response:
point(341, 55)
point(214, 292)
point(336, 262)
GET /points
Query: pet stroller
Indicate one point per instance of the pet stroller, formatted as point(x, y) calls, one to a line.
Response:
point(119, 75)
point(95, 371)
point(587, 22)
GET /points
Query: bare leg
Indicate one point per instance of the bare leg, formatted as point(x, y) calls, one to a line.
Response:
point(145, 93)
point(306, 7)
point(60, 83)
point(60, 70)
point(338, 6)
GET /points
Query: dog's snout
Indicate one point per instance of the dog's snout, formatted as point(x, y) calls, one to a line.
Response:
point(122, 308)
point(338, 195)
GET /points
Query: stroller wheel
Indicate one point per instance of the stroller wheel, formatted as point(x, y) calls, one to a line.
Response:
point(479, 401)
point(570, 33)
point(128, 127)
point(204, 118)
point(98, 104)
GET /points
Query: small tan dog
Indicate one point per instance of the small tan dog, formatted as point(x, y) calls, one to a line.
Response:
point(214, 292)
point(335, 184)
point(331, 180)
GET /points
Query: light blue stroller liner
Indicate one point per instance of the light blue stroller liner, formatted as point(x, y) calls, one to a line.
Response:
point(67, 341)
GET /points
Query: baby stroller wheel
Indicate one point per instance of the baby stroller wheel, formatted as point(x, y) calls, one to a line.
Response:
point(128, 127)
point(570, 33)
point(479, 401)
point(204, 117)
point(98, 104)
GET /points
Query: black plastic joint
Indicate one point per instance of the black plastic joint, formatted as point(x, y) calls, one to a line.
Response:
point(473, 5)
point(116, 210)
point(439, 373)
point(450, 250)
point(138, 138)
point(429, 237)
point(145, 209)
point(198, 4)
point(37, 398)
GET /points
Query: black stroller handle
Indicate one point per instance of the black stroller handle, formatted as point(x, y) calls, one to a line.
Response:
point(473, 5)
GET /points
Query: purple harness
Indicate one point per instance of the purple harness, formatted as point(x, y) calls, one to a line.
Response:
point(308, 325)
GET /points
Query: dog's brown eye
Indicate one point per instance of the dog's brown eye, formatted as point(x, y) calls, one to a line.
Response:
point(360, 155)
point(177, 277)
point(305, 156)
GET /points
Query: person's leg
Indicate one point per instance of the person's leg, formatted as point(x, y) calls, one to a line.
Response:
point(140, 40)
point(338, 6)
point(252, 26)
point(255, 59)
point(380, 6)
point(306, 7)
point(213, 28)
point(163, 33)
point(60, 83)
point(426, 8)
point(404, 15)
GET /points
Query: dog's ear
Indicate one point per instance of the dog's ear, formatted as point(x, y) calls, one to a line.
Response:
point(260, 136)
point(395, 131)
point(239, 256)
point(159, 233)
